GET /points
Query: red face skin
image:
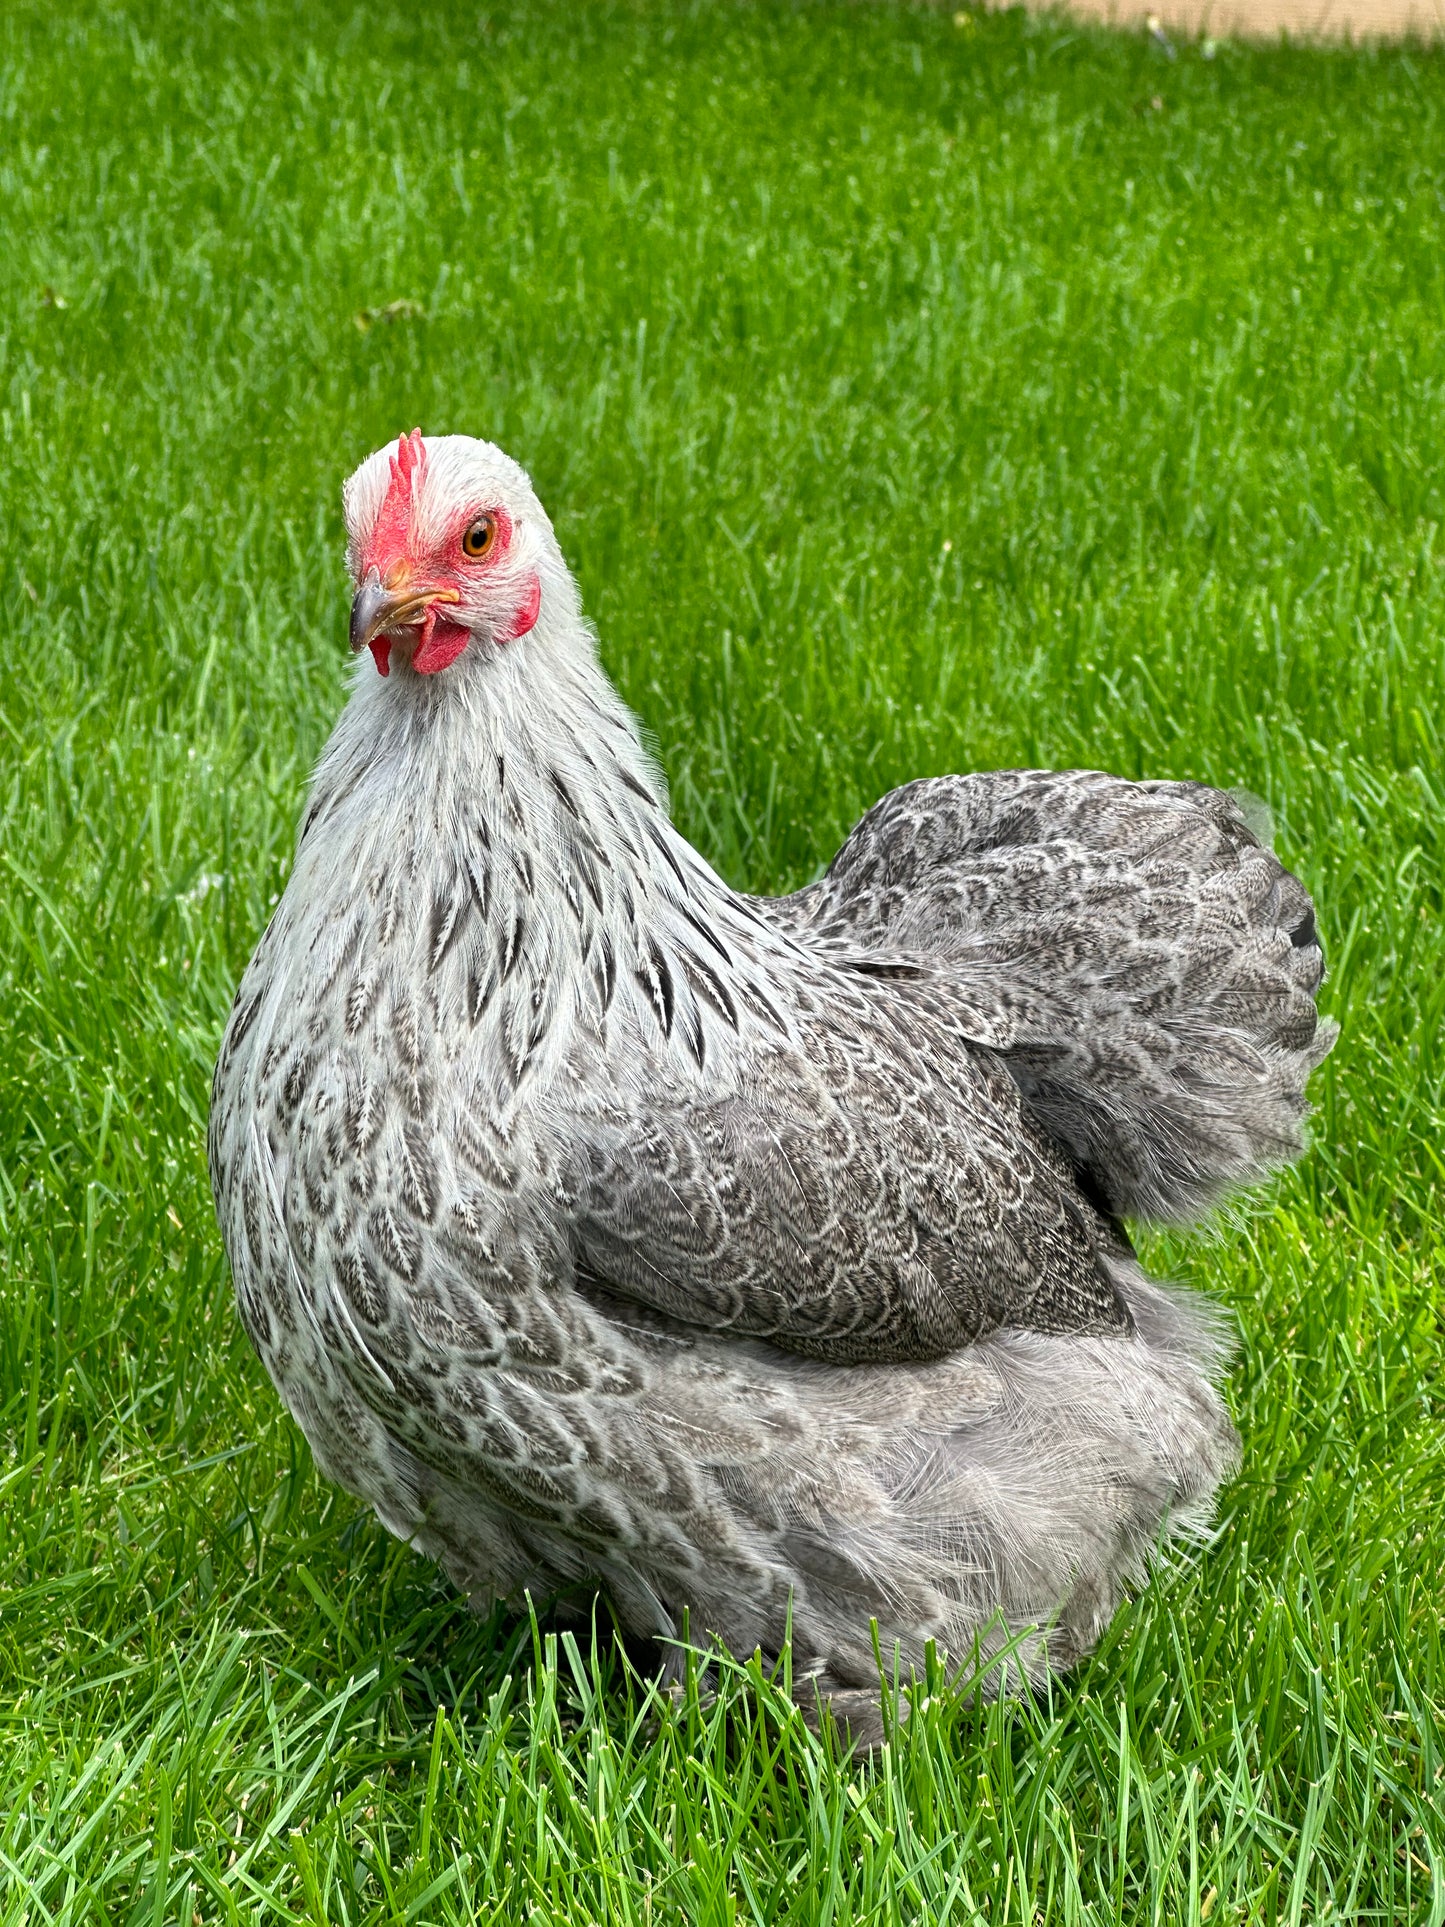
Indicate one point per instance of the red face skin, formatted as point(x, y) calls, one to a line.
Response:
point(431, 578)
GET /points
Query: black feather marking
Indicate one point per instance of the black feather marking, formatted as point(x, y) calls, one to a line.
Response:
point(621, 827)
point(481, 985)
point(638, 789)
point(656, 979)
point(694, 1036)
point(565, 794)
point(1305, 934)
point(874, 967)
point(541, 1017)
point(514, 1052)
point(709, 986)
point(762, 1005)
point(241, 1021)
point(418, 1173)
point(665, 849)
point(479, 875)
point(358, 1001)
point(512, 948)
point(706, 932)
point(298, 1076)
point(397, 1242)
point(583, 862)
point(606, 972)
point(449, 915)
point(362, 1113)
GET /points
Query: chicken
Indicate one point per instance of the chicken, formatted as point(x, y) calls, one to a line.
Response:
point(761, 1260)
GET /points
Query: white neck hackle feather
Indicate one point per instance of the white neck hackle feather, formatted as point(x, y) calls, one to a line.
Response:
point(518, 772)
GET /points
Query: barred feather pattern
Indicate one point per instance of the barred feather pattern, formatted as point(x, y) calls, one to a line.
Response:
point(757, 1260)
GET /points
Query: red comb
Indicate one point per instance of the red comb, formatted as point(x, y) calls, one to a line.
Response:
point(410, 457)
point(408, 465)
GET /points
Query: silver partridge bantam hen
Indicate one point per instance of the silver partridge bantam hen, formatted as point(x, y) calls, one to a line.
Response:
point(756, 1259)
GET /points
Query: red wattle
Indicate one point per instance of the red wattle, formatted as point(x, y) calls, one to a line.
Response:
point(441, 644)
point(380, 647)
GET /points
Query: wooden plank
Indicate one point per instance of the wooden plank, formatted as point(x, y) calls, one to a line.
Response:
point(1270, 19)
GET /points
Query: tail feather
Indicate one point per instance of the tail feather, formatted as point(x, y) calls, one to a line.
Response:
point(1144, 966)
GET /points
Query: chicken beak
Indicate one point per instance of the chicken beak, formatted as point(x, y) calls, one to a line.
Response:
point(371, 607)
point(375, 608)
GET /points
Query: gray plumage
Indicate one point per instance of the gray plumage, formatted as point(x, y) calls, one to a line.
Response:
point(600, 1224)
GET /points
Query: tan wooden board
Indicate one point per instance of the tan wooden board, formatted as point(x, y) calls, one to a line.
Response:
point(1270, 19)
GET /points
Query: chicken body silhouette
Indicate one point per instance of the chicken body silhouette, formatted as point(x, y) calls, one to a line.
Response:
point(757, 1259)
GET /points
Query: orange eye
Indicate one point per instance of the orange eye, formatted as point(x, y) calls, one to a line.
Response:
point(480, 537)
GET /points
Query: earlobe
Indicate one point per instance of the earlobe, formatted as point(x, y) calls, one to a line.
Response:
point(528, 609)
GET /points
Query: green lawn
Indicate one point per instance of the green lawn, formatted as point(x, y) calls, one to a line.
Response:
point(909, 397)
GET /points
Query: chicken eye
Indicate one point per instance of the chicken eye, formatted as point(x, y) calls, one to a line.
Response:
point(480, 537)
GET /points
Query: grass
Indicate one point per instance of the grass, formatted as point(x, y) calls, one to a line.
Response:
point(909, 397)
